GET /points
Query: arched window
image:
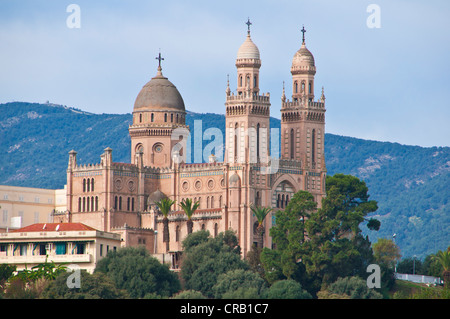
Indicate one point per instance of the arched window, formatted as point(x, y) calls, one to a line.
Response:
point(255, 81)
point(310, 88)
point(303, 87)
point(216, 229)
point(292, 144)
point(128, 204)
point(278, 201)
point(96, 203)
point(177, 118)
point(171, 117)
point(212, 201)
point(220, 201)
point(165, 117)
point(120, 202)
point(88, 185)
point(84, 204)
point(153, 117)
point(287, 200)
point(313, 146)
point(87, 205)
point(84, 185)
point(282, 201)
point(79, 204)
point(257, 142)
point(240, 80)
point(207, 202)
point(132, 204)
point(296, 87)
point(140, 118)
point(177, 233)
point(92, 184)
point(115, 202)
point(92, 204)
point(203, 226)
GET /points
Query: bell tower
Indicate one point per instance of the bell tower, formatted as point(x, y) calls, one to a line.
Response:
point(247, 112)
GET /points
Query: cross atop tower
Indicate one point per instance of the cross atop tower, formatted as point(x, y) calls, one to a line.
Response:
point(159, 58)
point(303, 31)
point(248, 23)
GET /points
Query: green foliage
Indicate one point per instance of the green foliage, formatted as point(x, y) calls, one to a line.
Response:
point(189, 294)
point(134, 270)
point(165, 205)
point(354, 287)
point(239, 283)
point(46, 270)
point(386, 252)
point(287, 289)
point(95, 286)
point(203, 263)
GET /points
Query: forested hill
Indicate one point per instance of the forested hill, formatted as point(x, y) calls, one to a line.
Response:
point(410, 183)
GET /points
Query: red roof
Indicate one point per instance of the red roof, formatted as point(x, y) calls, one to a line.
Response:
point(53, 227)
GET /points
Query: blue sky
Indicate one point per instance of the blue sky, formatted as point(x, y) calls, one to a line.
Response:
point(388, 84)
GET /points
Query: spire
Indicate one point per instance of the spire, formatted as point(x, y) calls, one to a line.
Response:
point(159, 58)
point(283, 96)
point(228, 91)
point(248, 23)
point(303, 37)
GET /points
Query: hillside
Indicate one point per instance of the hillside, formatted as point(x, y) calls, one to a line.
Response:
point(410, 183)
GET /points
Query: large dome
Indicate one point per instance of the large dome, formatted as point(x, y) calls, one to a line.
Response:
point(159, 94)
point(248, 49)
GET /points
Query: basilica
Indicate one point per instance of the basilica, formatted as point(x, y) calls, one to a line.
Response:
point(120, 197)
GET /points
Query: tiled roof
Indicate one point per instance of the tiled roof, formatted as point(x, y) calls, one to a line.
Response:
point(54, 227)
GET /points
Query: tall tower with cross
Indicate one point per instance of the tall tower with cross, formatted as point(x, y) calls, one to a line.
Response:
point(303, 122)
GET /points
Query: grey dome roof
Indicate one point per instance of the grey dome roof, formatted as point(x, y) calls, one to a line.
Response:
point(159, 94)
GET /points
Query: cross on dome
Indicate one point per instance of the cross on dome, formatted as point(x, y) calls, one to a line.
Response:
point(159, 58)
point(248, 23)
point(303, 31)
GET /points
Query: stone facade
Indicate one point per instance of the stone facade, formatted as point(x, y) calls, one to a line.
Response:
point(112, 196)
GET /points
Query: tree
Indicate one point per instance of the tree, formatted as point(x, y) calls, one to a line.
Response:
point(203, 263)
point(443, 257)
point(287, 289)
point(386, 252)
point(239, 283)
point(164, 205)
point(93, 286)
point(316, 246)
point(336, 247)
point(189, 209)
point(260, 214)
point(140, 274)
point(354, 287)
point(288, 235)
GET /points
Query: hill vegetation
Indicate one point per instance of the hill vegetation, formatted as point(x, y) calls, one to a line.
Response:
point(410, 183)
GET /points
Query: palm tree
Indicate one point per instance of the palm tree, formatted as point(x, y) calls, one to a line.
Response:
point(260, 213)
point(164, 206)
point(189, 209)
point(443, 257)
